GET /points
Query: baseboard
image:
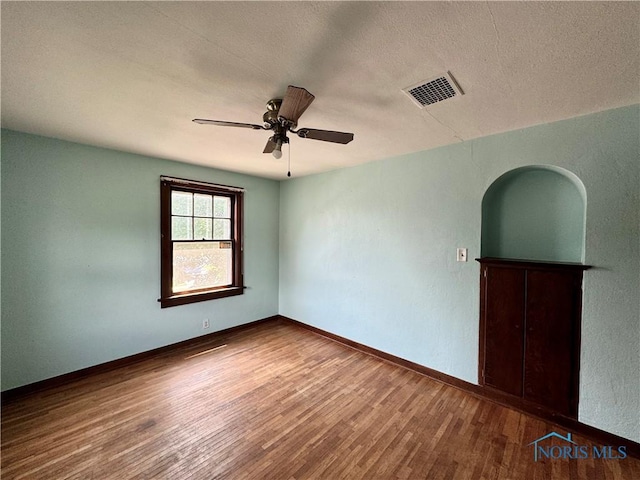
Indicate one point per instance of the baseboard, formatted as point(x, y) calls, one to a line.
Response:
point(18, 392)
point(599, 436)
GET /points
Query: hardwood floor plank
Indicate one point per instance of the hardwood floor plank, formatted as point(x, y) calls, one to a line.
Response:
point(275, 402)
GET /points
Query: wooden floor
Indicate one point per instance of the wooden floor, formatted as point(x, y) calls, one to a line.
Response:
point(275, 402)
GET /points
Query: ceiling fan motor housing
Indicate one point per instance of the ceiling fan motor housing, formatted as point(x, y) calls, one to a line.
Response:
point(270, 117)
point(274, 104)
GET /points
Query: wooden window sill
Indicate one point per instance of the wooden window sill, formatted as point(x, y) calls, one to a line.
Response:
point(187, 298)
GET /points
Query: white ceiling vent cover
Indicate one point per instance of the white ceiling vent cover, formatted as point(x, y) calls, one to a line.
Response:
point(434, 90)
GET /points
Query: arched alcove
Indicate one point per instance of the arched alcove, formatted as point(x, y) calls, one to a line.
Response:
point(535, 213)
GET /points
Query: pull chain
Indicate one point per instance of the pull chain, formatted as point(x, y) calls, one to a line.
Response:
point(289, 161)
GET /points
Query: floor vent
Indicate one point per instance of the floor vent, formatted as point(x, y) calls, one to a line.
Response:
point(434, 90)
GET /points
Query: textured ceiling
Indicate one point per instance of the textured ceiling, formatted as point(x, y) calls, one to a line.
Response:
point(132, 75)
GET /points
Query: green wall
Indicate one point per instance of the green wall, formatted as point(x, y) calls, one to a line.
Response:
point(368, 252)
point(80, 257)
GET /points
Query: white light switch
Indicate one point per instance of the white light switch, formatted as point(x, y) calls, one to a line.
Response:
point(461, 254)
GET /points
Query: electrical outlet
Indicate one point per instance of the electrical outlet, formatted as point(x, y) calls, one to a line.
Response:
point(205, 323)
point(461, 254)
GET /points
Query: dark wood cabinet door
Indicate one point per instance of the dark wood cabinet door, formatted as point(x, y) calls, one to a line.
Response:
point(530, 314)
point(551, 319)
point(504, 303)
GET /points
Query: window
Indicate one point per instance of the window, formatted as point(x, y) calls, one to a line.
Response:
point(201, 241)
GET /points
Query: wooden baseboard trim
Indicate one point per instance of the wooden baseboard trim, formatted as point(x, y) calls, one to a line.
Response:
point(486, 393)
point(19, 392)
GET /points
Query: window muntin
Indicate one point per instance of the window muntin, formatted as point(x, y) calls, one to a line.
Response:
point(201, 241)
point(193, 216)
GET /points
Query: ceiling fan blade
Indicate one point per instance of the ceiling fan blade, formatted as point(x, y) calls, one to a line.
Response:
point(325, 135)
point(294, 103)
point(270, 146)
point(228, 124)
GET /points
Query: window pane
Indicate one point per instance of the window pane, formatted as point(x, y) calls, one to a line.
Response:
point(181, 203)
point(222, 207)
point(181, 228)
point(202, 205)
point(199, 265)
point(202, 229)
point(222, 229)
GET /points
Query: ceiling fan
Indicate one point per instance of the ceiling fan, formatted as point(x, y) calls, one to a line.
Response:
point(282, 117)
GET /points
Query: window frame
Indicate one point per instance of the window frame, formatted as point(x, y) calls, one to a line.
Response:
point(167, 297)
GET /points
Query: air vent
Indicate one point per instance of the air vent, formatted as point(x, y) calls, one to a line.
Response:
point(434, 90)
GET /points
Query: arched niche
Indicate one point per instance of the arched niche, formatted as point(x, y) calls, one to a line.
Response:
point(535, 213)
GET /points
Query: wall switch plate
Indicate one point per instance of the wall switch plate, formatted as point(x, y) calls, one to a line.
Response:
point(461, 254)
point(205, 323)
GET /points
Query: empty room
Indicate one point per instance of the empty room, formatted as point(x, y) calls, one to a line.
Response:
point(320, 240)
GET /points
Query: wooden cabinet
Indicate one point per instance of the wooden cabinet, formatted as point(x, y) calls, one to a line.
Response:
point(530, 331)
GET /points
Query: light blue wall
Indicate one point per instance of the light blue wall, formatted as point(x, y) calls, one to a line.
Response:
point(368, 252)
point(534, 213)
point(80, 257)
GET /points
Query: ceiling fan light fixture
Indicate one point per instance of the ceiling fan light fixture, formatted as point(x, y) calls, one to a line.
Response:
point(277, 151)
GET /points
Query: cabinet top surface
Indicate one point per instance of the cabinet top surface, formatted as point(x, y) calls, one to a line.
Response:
point(522, 263)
